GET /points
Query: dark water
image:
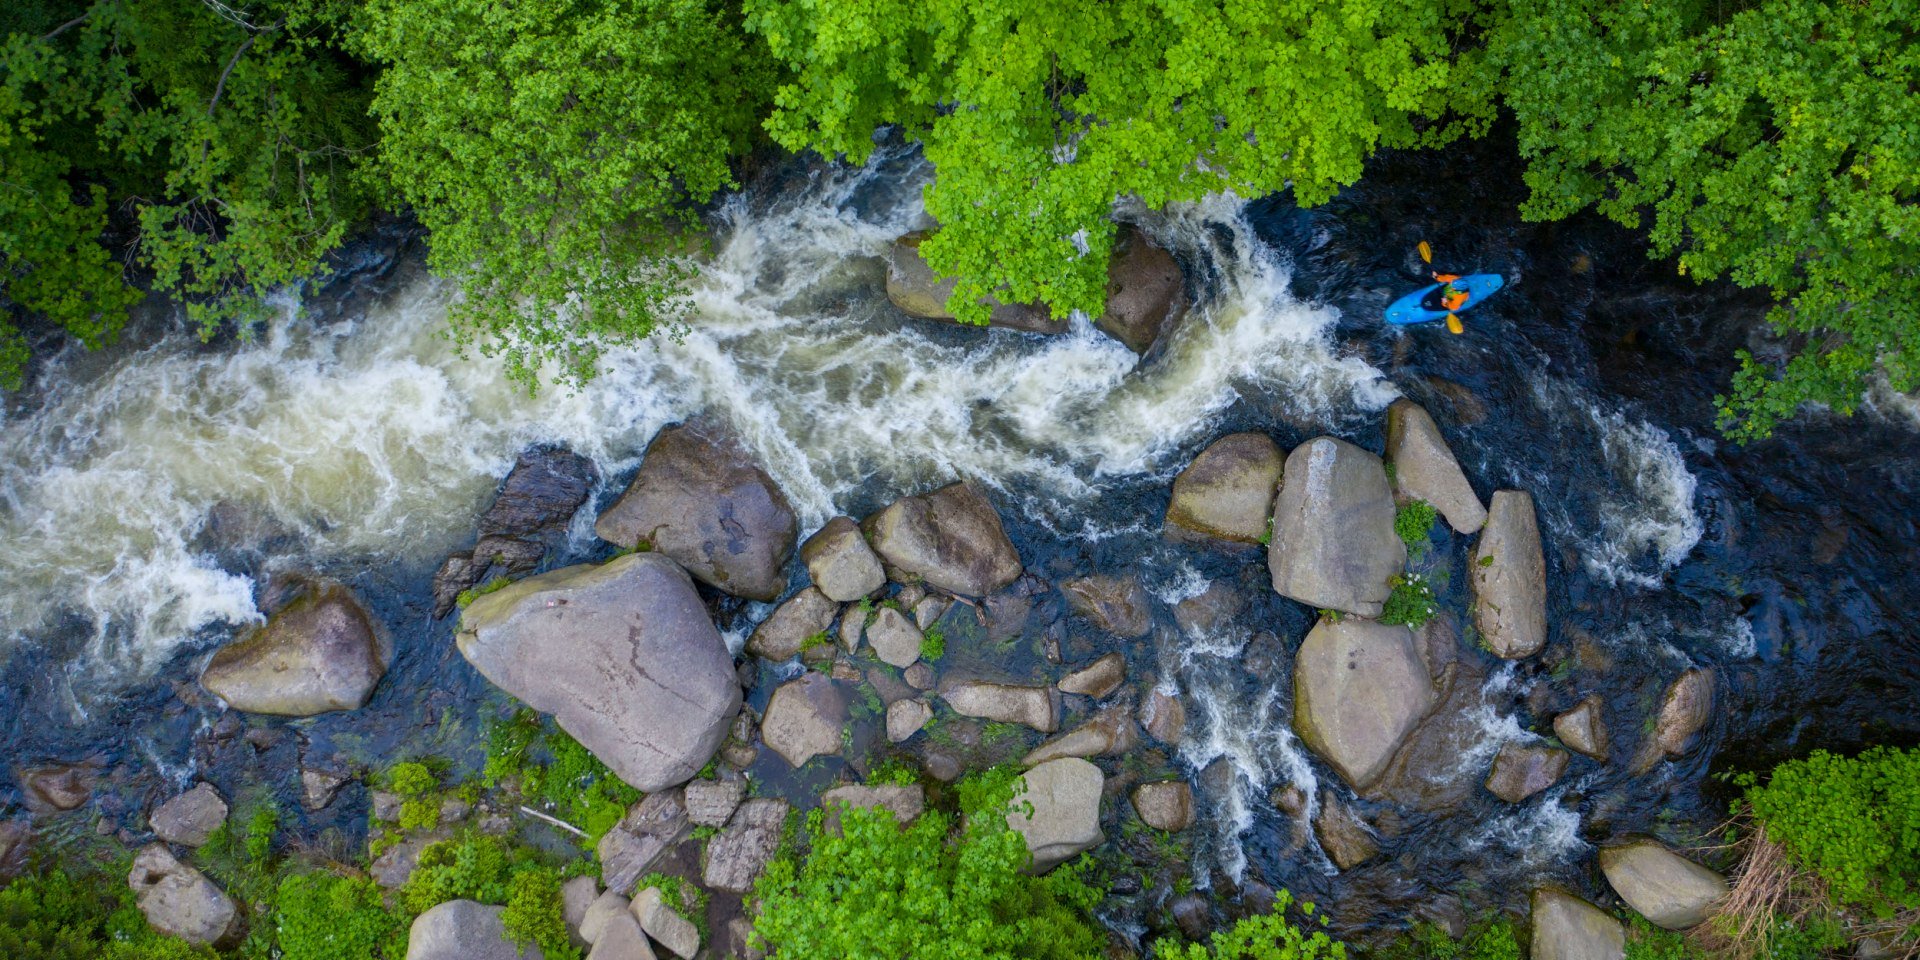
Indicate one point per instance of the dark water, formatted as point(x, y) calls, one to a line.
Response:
point(1589, 381)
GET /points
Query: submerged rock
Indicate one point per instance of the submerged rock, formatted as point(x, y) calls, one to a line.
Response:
point(1342, 834)
point(1359, 687)
point(57, 787)
point(1117, 605)
point(1164, 805)
point(1097, 679)
point(786, 632)
point(950, 538)
point(1566, 927)
point(321, 652)
point(1146, 294)
point(180, 901)
point(841, 563)
point(1059, 812)
point(1582, 728)
point(1509, 576)
point(190, 818)
point(1333, 541)
point(624, 657)
point(1227, 491)
point(1036, 707)
point(1424, 467)
point(1521, 771)
point(1666, 888)
point(1685, 709)
point(804, 719)
point(465, 930)
point(701, 499)
point(532, 510)
point(919, 292)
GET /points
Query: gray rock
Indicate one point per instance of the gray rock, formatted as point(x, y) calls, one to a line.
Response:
point(918, 292)
point(531, 512)
point(1227, 491)
point(1685, 709)
point(1111, 732)
point(710, 803)
point(1097, 679)
point(929, 610)
point(1163, 716)
point(1359, 688)
point(920, 676)
point(1582, 728)
point(1193, 916)
point(739, 941)
point(1117, 605)
point(804, 719)
point(319, 787)
point(16, 839)
point(1146, 295)
point(622, 939)
point(190, 818)
point(786, 632)
point(1424, 467)
point(905, 802)
point(1036, 707)
point(1343, 835)
point(736, 857)
point(1058, 813)
point(180, 901)
point(1333, 541)
point(464, 930)
point(1509, 577)
point(604, 909)
point(1165, 804)
point(395, 865)
point(386, 805)
point(319, 653)
point(951, 538)
point(1566, 927)
point(701, 499)
point(895, 639)
point(1666, 888)
point(576, 895)
point(853, 628)
point(1521, 771)
point(906, 718)
point(651, 827)
point(840, 562)
point(667, 927)
point(624, 657)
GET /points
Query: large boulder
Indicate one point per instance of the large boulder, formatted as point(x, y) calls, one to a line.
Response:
point(180, 901)
point(1164, 804)
point(624, 657)
point(190, 818)
point(1227, 491)
point(529, 514)
point(1424, 467)
point(1358, 688)
point(465, 930)
point(1333, 541)
point(1668, 889)
point(737, 855)
point(841, 563)
point(321, 652)
point(919, 292)
point(701, 499)
point(1509, 576)
point(1566, 927)
point(1116, 604)
point(785, 633)
point(1522, 770)
point(951, 539)
point(1059, 811)
point(1146, 295)
point(1582, 728)
point(1037, 707)
point(804, 718)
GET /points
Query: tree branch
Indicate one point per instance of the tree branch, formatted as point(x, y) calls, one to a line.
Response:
point(70, 24)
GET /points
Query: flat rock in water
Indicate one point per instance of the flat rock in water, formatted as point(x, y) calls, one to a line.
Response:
point(1424, 467)
point(1165, 804)
point(1343, 835)
point(1116, 604)
point(190, 818)
point(1059, 812)
point(1146, 294)
point(1334, 547)
point(895, 639)
point(1582, 728)
point(624, 657)
point(1685, 709)
point(738, 854)
point(56, 787)
point(1666, 888)
point(321, 652)
point(1111, 732)
point(950, 538)
point(1521, 771)
point(1359, 688)
point(180, 901)
point(1227, 492)
point(919, 292)
point(532, 510)
point(701, 499)
point(465, 930)
point(1097, 679)
point(906, 718)
point(1509, 576)
point(841, 563)
point(804, 719)
point(785, 633)
point(1036, 707)
point(1566, 927)
point(1163, 716)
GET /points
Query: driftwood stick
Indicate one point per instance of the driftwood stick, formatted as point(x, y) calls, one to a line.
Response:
point(556, 821)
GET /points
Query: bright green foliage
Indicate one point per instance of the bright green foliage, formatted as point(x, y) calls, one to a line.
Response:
point(533, 913)
point(553, 149)
point(573, 782)
point(933, 644)
point(1038, 117)
point(60, 916)
point(684, 896)
point(1775, 142)
point(419, 801)
point(322, 916)
point(1269, 936)
point(228, 141)
point(1493, 940)
point(1410, 603)
point(931, 890)
point(509, 742)
point(1648, 942)
point(1413, 521)
point(1854, 821)
point(466, 868)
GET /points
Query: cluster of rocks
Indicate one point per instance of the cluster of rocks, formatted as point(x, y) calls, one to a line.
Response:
point(1671, 891)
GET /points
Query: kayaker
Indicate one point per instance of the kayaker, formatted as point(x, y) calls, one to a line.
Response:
point(1451, 297)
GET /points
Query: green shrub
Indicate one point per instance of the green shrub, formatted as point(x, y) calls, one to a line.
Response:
point(1411, 602)
point(1414, 523)
point(933, 644)
point(471, 867)
point(581, 789)
point(1853, 821)
point(533, 913)
point(1269, 936)
point(1648, 942)
point(420, 801)
point(65, 916)
point(326, 917)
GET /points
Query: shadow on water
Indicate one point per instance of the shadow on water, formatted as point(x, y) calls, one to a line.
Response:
point(1589, 381)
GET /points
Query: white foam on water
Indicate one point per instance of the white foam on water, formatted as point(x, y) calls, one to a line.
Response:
point(1892, 405)
point(1255, 739)
point(372, 441)
point(1541, 832)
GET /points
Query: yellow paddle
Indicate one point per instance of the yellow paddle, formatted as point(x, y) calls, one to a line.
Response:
point(1454, 325)
point(1426, 252)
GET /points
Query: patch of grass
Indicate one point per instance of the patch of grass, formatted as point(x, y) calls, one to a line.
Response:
point(893, 772)
point(705, 832)
point(1489, 940)
point(1413, 522)
point(533, 913)
point(1411, 602)
point(821, 639)
point(1268, 936)
point(571, 781)
point(465, 598)
point(933, 644)
point(1331, 615)
point(322, 916)
point(997, 731)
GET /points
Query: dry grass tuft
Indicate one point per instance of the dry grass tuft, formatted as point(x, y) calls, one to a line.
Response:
point(1769, 889)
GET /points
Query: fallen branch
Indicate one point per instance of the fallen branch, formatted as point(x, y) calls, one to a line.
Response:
point(556, 821)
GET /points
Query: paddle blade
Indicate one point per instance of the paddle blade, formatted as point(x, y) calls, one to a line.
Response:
point(1454, 325)
point(1426, 252)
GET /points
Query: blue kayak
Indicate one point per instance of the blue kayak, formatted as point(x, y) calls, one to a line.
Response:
point(1409, 309)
